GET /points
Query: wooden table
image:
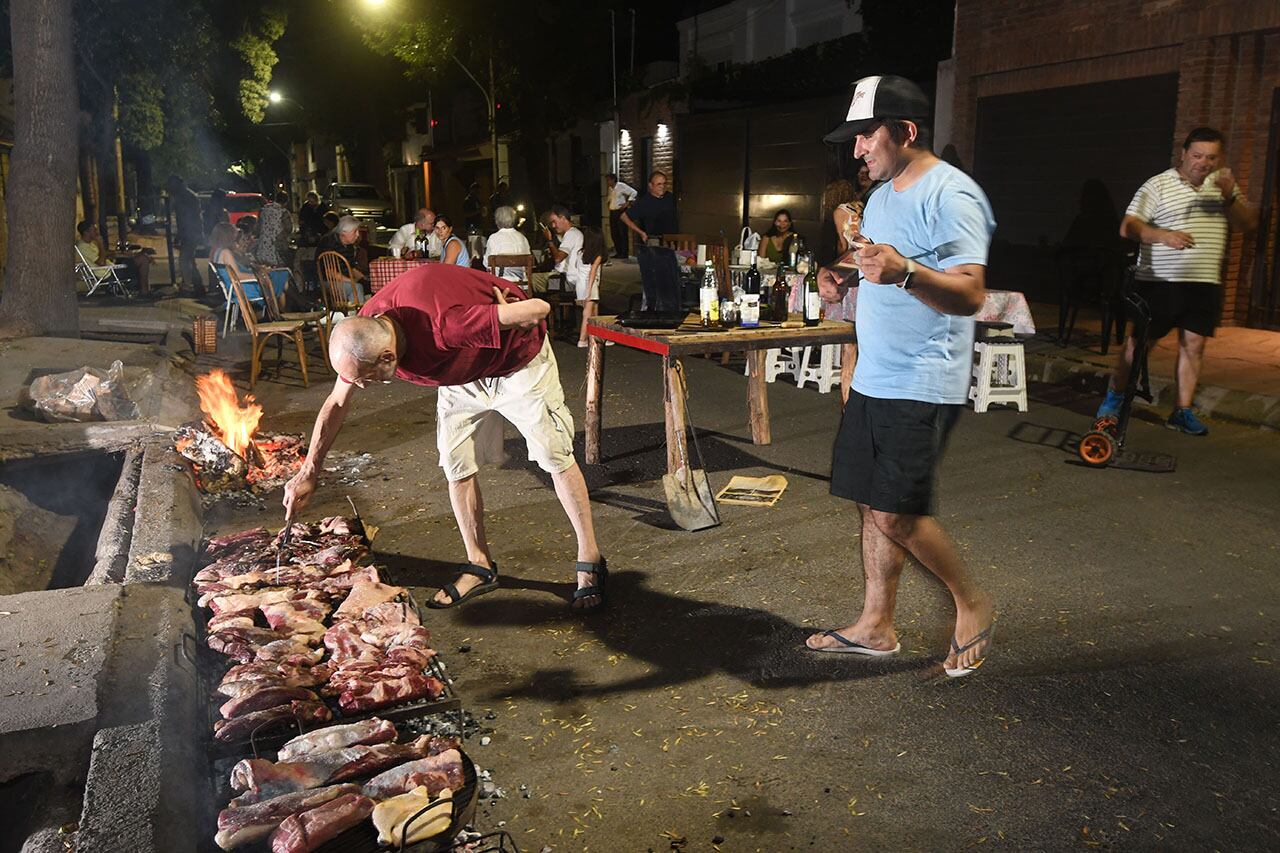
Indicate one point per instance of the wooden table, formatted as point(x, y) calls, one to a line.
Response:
point(690, 339)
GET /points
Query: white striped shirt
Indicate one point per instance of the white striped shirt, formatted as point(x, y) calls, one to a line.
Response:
point(1169, 201)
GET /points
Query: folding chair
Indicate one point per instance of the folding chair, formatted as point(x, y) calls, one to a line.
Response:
point(220, 274)
point(109, 276)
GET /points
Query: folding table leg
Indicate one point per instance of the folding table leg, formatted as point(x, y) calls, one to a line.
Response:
point(758, 399)
point(595, 378)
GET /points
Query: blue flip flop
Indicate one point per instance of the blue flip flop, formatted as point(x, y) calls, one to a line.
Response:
point(849, 647)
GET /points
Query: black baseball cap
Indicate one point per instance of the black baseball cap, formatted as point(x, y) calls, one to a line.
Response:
point(877, 98)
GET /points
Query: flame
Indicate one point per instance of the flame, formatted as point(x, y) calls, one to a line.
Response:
point(218, 400)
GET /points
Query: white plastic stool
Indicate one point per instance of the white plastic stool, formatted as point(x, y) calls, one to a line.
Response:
point(776, 362)
point(1008, 359)
point(827, 372)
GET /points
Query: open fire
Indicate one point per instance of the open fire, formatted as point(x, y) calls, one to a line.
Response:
point(226, 451)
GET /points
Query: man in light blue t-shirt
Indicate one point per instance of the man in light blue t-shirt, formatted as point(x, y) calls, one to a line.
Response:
point(922, 255)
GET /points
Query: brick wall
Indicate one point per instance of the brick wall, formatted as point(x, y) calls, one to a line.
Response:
point(1226, 53)
point(641, 114)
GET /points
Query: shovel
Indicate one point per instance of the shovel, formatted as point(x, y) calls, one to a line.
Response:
point(689, 498)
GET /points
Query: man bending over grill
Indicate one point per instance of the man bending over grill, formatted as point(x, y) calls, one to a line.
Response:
point(483, 345)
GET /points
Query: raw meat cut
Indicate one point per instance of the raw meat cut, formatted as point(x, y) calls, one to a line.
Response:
point(243, 821)
point(363, 596)
point(445, 767)
point(372, 730)
point(263, 698)
point(243, 727)
point(307, 831)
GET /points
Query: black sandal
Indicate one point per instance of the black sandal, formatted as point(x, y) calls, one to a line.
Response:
point(489, 578)
point(601, 571)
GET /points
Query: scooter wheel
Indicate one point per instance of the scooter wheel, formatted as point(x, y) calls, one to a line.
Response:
point(1106, 423)
point(1097, 449)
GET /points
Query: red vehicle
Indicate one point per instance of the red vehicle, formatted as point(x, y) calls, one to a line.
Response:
point(240, 205)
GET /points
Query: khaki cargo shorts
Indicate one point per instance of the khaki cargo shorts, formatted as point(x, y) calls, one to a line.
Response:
point(469, 419)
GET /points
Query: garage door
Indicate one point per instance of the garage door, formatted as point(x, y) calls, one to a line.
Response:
point(1034, 152)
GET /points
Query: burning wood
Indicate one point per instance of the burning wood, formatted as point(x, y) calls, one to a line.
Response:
point(225, 450)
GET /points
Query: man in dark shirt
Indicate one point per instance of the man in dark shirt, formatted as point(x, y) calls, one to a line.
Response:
point(483, 345)
point(186, 208)
point(653, 214)
point(342, 239)
point(311, 220)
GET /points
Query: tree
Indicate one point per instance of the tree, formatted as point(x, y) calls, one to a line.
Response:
point(545, 63)
point(42, 179)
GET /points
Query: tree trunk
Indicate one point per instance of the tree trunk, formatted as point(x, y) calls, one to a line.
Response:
point(39, 295)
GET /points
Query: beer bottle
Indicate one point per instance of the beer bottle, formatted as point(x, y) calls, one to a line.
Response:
point(781, 296)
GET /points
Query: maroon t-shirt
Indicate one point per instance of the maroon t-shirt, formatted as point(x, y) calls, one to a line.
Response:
point(450, 320)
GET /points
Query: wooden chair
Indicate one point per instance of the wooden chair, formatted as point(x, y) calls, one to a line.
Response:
point(335, 279)
point(499, 263)
point(314, 320)
point(680, 242)
point(260, 333)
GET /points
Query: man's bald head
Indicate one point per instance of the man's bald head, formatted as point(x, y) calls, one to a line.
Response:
point(363, 349)
point(426, 219)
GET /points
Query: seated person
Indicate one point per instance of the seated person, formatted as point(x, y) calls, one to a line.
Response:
point(454, 250)
point(776, 245)
point(506, 241)
point(95, 252)
point(403, 244)
point(224, 251)
point(343, 239)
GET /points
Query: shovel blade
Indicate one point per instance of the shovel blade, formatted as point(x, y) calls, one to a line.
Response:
point(690, 501)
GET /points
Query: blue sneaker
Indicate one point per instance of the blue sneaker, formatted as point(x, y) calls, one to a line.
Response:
point(1110, 407)
point(1185, 420)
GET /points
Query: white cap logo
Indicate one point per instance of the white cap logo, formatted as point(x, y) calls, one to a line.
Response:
point(864, 99)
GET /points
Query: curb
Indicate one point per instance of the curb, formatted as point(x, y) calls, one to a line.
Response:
point(1214, 401)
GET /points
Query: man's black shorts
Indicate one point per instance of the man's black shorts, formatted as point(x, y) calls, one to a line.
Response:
point(887, 451)
point(1191, 305)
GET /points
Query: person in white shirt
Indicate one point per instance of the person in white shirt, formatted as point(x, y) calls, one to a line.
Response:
point(620, 198)
point(1181, 217)
point(407, 237)
point(568, 255)
point(593, 255)
point(506, 241)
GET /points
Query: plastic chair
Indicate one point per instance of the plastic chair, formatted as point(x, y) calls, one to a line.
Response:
point(109, 276)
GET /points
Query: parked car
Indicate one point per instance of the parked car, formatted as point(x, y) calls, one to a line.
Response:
point(363, 201)
point(240, 205)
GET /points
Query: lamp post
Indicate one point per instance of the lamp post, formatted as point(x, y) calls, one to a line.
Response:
point(276, 97)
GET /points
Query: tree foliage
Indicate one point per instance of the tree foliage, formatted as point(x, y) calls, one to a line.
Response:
point(255, 46)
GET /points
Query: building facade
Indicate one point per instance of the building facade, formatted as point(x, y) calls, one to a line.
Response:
point(1046, 95)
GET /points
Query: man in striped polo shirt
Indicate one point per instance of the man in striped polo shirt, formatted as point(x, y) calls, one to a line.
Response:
point(1180, 217)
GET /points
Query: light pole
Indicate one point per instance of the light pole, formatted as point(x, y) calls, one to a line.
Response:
point(275, 97)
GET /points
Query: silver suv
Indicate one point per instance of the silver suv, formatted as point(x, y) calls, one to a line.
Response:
point(363, 201)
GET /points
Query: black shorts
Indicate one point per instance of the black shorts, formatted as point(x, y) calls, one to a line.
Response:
point(887, 451)
point(1191, 305)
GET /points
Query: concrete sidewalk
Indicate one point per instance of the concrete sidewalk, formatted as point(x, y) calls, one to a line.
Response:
point(1240, 379)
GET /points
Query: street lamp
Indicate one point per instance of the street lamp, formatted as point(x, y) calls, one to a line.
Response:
point(274, 97)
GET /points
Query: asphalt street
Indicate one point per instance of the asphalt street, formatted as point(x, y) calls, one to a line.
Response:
point(1129, 703)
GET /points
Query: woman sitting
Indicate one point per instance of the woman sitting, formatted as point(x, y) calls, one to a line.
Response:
point(223, 251)
point(455, 250)
point(777, 241)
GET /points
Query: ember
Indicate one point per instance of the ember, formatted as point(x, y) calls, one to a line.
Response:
point(226, 452)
